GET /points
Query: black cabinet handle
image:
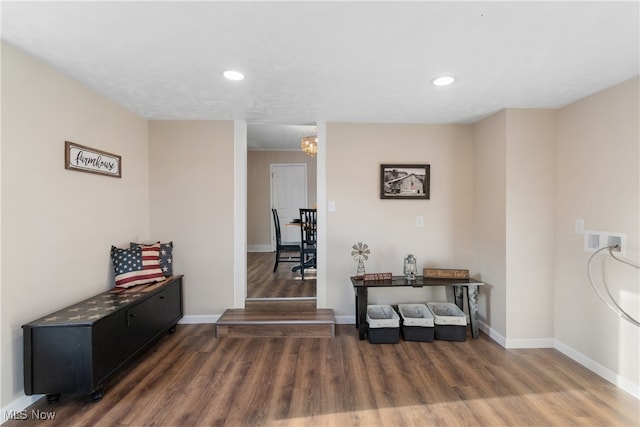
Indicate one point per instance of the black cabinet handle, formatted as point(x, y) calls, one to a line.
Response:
point(161, 296)
point(131, 316)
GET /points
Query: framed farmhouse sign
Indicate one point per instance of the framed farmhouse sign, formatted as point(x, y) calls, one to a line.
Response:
point(84, 159)
point(404, 182)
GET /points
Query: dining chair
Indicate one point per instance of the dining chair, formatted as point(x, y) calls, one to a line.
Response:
point(282, 249)
point(308, 239)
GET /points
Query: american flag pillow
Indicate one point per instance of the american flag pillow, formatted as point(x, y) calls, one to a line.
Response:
point(166, 256)
point(136, 266)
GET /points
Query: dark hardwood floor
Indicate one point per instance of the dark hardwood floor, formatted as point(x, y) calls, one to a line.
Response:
point(262, 282)
point(193, 379)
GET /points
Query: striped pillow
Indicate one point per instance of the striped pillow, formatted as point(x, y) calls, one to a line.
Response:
point(166, 256)
point(136, 266)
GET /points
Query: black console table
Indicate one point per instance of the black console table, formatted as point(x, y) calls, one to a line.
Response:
point(361, 287)
point(78, 348)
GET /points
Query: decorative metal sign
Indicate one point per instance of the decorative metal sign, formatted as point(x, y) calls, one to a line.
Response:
point(85, 159)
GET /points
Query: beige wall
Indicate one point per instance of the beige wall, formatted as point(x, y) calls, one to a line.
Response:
point(489, 218)
point(191, 186)
point(514, 223)
point(598, 181)
point(536, 172)
point(530, 215)
point(58, 225)
point(489, 210)
point(354, 154)
point(259, 225)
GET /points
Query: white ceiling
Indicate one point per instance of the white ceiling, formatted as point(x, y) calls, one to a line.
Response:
point(332, 61)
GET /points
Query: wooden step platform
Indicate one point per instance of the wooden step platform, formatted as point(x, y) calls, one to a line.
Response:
point(281, 304)
point(250, 323)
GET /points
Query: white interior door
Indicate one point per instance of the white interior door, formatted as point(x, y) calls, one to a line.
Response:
point(288, 195)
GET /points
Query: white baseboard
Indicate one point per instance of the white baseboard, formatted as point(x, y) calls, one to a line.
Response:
point(606, 373)
point(530, 343)
point(197, 319)
point(259, 248)
point(345, 320)
point(513, 343)
point(493, 334)
point(16, 409)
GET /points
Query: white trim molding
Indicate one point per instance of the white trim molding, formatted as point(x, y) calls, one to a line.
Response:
point(321, 183)
point(529, 343)
point(17, 410)
point(346, 320)
point(196, 319)
point(240, 213)
point(493, 334)
point(604, 372)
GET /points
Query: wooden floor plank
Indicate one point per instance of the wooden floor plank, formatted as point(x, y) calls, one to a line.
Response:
point(263, 282)
point(192, 378)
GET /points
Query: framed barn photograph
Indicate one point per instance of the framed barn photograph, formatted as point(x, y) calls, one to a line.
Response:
point(404, 182)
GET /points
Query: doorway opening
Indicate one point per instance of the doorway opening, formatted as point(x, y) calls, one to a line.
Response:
point(281, 176)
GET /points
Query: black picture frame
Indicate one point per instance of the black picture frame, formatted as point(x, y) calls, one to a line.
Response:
point(405, 181)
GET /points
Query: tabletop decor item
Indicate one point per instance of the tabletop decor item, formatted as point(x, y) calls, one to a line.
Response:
point(377, 277)
point(410, 268)
point(360, 253)
point(445, 273)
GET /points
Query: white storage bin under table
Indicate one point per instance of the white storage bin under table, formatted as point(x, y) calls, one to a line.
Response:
point(450, 322)
point(383, 324)
point(417, 322)
point(361, 291)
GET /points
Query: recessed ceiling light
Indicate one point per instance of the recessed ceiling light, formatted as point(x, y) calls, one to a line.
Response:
point(443, 80)
point(233, 75)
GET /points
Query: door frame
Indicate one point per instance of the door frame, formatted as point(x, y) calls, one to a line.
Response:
point(240, 213)
point(240, 210)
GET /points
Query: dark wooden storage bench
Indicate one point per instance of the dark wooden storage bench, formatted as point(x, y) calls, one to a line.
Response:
point(78, 348)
